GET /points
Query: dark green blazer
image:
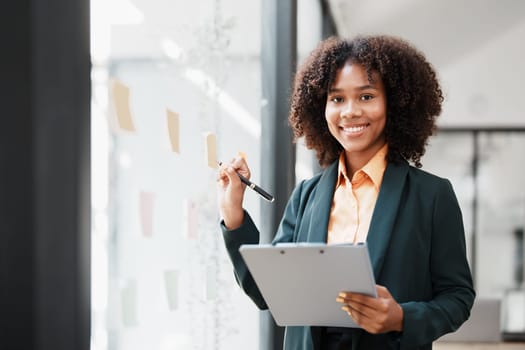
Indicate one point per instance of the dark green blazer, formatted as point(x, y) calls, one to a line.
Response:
point(417, 246)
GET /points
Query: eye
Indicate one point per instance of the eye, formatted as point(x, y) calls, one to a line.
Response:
point(336, 99)
point(366, 97)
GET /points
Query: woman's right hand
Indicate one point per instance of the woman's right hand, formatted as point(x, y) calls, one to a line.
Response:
point(231, 191)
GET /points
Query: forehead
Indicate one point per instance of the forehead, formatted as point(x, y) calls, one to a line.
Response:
point(356, 73)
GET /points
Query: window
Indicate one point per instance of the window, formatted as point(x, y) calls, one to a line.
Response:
point(485, 173)
point(161, 277)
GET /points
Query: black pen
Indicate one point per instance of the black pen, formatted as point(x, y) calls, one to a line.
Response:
point(254, 187)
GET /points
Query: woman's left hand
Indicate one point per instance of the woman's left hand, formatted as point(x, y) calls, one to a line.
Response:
point(375, 315)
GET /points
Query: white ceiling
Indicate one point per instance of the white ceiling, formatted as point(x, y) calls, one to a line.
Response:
point(444, 29)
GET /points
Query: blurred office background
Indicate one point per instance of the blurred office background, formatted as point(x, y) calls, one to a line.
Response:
point(110, 236)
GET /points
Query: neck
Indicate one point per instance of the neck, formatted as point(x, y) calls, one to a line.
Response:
point(357, 160)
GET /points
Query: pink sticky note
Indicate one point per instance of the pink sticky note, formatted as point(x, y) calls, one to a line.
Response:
point(147, 202)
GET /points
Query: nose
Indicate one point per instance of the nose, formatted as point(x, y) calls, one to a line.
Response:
point(351, 109)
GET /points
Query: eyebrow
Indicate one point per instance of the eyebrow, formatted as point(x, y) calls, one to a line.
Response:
point(364, 87)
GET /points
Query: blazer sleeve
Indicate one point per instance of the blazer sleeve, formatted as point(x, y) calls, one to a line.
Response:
point(248, 233)
point(452, 289)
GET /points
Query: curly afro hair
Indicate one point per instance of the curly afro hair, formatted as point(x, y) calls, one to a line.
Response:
point(412, 90)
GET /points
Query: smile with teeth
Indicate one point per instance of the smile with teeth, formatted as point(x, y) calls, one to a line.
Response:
point(354, 129)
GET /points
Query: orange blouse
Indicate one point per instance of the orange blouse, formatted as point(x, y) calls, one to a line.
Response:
point(354, 200)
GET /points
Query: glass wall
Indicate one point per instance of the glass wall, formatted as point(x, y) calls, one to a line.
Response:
point(501, 211)
point(166, 76)
point(485, 169)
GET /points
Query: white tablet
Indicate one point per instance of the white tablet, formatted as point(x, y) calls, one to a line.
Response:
point(300, 281)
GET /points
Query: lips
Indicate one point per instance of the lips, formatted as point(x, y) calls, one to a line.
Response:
point(354, 129)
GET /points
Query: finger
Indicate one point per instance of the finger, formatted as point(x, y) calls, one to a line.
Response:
point(241, 154)
point(240, 165)
point(221, 170)
point(222, 173)
point(348, 310)
point(382, 292)
point(353, 312)
point(227, 176)
point(362, 319)
point(356, 297)
point(363, 303)
point(238, 162)
point(372, 321)
point(222, 181)
point(233, 178)
point(345, 298)
point(365, 321)
point(348, 300)
point(364, 309)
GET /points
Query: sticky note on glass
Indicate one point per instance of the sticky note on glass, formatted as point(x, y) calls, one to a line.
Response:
point(211, 150)
point(147, 203)
point(190, 219)
point(128, 305)
point(171, 281)
point(120, 94)
point(173, 130)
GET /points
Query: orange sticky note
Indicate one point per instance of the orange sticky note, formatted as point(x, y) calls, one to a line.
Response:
point(211, 150)
point(173, 130)
point(120, 94)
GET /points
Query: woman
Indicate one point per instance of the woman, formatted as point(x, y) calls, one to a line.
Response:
point(367, 106)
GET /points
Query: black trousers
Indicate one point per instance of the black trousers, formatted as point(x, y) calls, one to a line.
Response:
point(332, 338)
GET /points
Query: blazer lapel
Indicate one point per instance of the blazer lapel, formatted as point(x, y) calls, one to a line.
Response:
point(385, 211)
point(320, 209)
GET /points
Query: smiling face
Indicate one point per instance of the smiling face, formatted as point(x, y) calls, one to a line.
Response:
point(356, 114)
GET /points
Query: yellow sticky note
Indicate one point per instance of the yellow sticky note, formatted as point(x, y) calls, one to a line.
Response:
point(173, 130)
point(211, 150)
point(120, 94)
